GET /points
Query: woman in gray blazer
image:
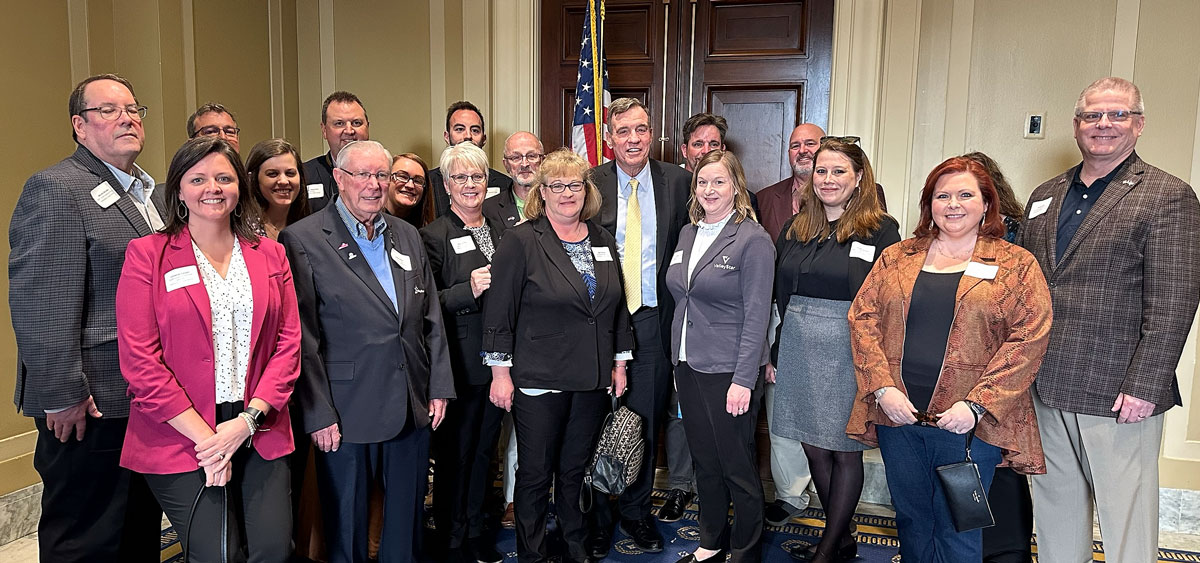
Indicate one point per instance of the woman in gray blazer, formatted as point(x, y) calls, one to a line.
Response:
point(720, 277)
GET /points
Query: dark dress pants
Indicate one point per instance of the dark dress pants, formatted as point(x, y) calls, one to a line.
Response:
point(462, 451)
point(556, 434)
point(726, 462)
point(1008, 541)
point(345, 477)
point(923, 522)
point(93, 509)
point(649, 387)
point(253, 509)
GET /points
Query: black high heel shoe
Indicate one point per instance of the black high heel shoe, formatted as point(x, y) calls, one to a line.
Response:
point(847, 552)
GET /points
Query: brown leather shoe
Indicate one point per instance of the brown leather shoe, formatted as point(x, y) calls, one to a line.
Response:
point(509, 520)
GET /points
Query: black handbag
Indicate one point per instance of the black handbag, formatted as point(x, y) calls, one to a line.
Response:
point(617, 458)
point(965, 494)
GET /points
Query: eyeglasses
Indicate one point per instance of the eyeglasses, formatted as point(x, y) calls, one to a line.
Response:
point(401, 179)
point(111, 113)
point(461, 179)
point(519, 158)
point(558, 187)
point(851, 140)
point(1118, 116)
point(382, 177)
point(213, 130)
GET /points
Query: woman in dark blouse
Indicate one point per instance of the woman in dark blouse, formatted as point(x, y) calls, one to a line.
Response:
point(823, 255)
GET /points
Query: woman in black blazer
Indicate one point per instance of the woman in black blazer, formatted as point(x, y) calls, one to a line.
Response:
point(720, 278)
point(556, 335)
point(460, 245)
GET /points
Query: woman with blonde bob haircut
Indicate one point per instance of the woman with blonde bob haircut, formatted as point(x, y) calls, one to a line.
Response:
point(823, 257)
point(720, 278)
point(556, 333)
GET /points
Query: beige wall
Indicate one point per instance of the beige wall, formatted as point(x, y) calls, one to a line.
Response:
point(961, 75)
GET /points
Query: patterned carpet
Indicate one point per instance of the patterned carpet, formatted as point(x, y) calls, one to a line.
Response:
point(876, 540)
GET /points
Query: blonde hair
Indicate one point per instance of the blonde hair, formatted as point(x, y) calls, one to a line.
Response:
point(741, 198)
point(563, 163)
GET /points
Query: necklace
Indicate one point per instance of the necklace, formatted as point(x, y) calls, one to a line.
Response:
point(960, 256)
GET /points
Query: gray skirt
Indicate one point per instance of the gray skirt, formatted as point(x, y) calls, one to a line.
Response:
point(815, 385)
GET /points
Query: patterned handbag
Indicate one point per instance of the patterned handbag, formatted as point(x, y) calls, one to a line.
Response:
point(617, 458)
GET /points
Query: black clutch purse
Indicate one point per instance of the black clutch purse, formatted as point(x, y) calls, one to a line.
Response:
point(964, 491)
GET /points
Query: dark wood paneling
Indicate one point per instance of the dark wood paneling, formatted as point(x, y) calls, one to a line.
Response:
point(757, 29)
point(760, 122)
point(627, 28)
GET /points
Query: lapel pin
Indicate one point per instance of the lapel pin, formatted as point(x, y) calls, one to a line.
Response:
point(344, 245)
point(418, 291)
point(352, 256)
point(1127, 182)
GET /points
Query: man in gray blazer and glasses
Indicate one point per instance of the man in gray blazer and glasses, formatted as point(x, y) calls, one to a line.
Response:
point(68, 236)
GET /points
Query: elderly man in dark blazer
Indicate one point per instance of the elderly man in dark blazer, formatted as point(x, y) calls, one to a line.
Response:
point(1116, 239)
point(649, 197)
point(375, 369)
point(68, 236)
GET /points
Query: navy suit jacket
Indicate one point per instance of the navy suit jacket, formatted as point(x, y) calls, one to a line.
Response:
point(362, 365)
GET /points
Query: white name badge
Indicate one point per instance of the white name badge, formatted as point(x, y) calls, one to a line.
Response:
point(462, 244)
point(181, 277)
point(105, 195)
point(316, 190)
point(676, 258)
point(492, 191)
point(982, 271)
point(864, 252)
point(602, 253)
point(1039, 207)
point(401, 260)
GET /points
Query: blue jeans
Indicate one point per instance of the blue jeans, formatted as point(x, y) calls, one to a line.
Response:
point(923, 522)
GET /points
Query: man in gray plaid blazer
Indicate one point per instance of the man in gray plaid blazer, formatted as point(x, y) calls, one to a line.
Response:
point(1117, 242)
point(68, 236)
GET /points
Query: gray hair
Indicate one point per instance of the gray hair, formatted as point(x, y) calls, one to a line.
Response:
point(622, 105)
point(359, 146)
point(1116, 84)
point(464, 154)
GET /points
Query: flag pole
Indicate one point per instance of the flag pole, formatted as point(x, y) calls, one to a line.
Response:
point(598, 75)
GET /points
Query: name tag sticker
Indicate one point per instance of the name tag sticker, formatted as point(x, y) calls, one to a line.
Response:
point(462, 244)
point(316, 190)
point(676, 258)
point(602, 253)
point(492, 191)
point(105, 195)
point(864, 252)
point(181, 277)
point(982, 271)
point(402, 260)
point(1039, 207)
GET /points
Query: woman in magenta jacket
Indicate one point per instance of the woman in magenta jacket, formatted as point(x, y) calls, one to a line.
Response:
point(209, 341)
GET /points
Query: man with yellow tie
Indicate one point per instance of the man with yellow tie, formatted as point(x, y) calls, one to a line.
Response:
point(644, 207)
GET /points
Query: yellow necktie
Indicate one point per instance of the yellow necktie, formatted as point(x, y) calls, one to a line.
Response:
point(631, 262)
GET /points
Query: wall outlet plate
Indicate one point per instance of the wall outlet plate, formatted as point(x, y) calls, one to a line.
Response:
point(1035, 126)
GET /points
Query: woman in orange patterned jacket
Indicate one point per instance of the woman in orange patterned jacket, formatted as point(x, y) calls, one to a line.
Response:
point(949, 328)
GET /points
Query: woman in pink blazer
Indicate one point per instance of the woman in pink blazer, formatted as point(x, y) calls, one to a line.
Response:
point(209, 341)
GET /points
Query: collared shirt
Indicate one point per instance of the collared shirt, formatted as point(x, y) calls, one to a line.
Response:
point(139, 185)
point(1078, 200)
point(796, 187)
point(374, 251)
point(649, 228)
point(232, 305)
point(706, 233)
point(520, 206)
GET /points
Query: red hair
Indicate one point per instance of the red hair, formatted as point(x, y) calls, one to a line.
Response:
point(993, 223)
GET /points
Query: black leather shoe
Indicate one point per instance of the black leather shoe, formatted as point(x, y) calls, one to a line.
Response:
point(780, 512)
point(599, 544)
point(485, 552)
point(676, 503)
point(691, 558)
point(644, 534)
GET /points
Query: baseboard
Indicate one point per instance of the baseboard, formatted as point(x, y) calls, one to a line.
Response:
point(19, 512)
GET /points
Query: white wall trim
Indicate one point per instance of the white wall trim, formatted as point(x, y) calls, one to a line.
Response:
point(328, 82)
point(77, 28)
point(276, 65)
point(958, 78)
point(1124, 51)
point(188, 41)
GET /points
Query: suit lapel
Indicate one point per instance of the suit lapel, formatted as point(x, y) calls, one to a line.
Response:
point(344, 246)
point(662, 203)
point(399, 277)
point(256, 267)
point(125, 202)
point(1058, 193)
point(605, 178)
point(1121, 184)
point(723, 240)
point(180, 255)
point(552, 246)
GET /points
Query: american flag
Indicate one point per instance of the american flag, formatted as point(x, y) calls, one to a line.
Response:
point(587, 132)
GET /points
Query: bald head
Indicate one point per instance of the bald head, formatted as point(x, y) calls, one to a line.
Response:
point(522, 159)
point(802, 145)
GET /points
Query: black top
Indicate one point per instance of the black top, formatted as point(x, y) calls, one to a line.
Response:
point(925, 334)
point(1078, 201)
point(319, 170)
point(824, 268)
